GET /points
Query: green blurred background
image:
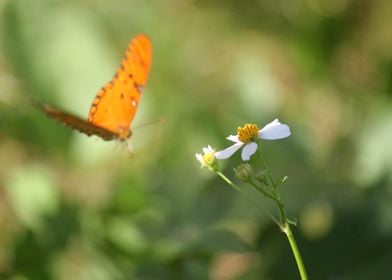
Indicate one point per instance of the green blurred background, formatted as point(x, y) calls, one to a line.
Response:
point(76, 207)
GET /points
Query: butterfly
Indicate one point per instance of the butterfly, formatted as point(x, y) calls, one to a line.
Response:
point(115, 105)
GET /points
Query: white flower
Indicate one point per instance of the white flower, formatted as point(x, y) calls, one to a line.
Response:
point(248, 135)
point(208, 159)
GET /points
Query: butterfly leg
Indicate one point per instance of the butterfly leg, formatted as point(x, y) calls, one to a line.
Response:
point(129, 147)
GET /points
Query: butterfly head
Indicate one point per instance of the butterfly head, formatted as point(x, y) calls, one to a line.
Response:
point(123, 133)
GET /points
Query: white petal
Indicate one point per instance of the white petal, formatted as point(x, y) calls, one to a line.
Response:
point(226, 153)
point(233, 138)
point(274, 130)
point(274, 122)
point(208, 150)
point(199, 157)
point(248, 150)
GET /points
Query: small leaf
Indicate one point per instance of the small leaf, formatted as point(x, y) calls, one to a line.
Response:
point(284, 179)
point(292, 221)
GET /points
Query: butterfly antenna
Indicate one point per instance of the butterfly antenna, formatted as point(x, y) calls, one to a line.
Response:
point(160, 121)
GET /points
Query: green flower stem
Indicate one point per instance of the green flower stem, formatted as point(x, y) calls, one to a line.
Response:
point(266, 169)
point(285, 225)
point(264, 192)
point(250, 198)
point(300, 264)
point(280, 205)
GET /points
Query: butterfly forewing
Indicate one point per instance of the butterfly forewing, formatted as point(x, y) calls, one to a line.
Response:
point(139, 60)
point(115, 105)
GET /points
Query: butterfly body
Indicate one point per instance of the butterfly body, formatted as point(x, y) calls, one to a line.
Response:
point(114, 107)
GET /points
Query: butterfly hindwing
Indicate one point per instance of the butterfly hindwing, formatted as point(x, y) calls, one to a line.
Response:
point(77, 123)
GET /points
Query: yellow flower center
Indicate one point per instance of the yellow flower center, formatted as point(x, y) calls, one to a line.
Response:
point(248, 133)
point(209, 159)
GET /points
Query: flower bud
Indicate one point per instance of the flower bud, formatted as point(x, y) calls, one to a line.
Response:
point(262, 177)
point(244, 172)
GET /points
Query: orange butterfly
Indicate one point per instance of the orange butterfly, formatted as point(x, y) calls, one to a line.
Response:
point(115, 105)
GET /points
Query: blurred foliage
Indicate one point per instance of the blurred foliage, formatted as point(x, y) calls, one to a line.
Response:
point(74, 207)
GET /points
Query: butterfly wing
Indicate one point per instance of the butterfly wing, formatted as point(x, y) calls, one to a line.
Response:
point(77, 123)
point(115, 105)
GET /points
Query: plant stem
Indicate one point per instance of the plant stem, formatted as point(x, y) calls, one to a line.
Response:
point(249, 197)
point(285, 226)
point(294, 248)
point(277, 199)
point(266, 169)
point(260, 189)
